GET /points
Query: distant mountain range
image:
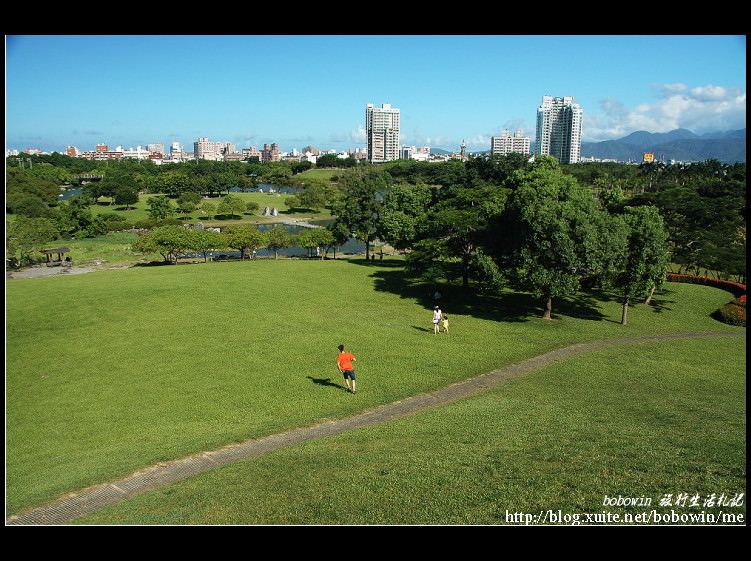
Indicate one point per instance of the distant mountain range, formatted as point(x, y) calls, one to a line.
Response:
point(680, 144)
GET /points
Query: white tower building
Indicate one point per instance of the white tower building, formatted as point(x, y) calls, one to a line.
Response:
point(505, 144)
point(559, 129)
point(382, 128)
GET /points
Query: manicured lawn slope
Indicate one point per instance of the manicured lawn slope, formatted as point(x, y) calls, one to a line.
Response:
point(115, 370)
point(646, 421)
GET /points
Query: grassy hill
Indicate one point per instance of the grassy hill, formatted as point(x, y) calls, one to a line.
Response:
point(112, 371)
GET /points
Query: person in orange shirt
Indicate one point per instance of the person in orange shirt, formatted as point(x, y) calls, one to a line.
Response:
point(344, 364)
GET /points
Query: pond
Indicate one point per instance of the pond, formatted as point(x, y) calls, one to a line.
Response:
point(352, 245)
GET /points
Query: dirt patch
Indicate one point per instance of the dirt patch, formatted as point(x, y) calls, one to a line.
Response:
point(44, 271)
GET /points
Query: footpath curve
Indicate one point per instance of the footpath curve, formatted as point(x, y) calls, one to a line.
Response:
point(93, 498)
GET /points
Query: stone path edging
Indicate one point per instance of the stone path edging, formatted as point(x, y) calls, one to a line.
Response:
point(89, 500)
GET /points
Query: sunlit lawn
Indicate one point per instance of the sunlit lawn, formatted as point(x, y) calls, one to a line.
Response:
point(648, 422)
point(116, 370)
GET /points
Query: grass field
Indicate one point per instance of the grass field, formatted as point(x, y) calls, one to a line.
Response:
point(566, 439)
point(115, 370)
point(137, 212)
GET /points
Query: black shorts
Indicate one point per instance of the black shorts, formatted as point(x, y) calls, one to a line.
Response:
point(349, 374)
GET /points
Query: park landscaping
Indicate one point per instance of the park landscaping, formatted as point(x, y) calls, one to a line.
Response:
point(138, 212)
point(116, 370)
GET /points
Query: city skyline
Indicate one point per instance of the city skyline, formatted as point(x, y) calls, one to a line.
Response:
point(312, 90)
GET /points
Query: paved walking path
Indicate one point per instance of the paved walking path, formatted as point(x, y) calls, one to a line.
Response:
point(89, 500)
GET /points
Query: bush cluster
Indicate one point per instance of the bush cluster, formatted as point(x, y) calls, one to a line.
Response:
point(735, 288)
point(734, 312)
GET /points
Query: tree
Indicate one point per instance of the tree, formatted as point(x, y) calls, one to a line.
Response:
point(454, 227)
point(314, 196)
point(278, 238)
point(224, 181)
point(645, 259)
point(556, 238)
point(173, 183)
point(340, 234)
point(231, 205)
point(168, 241)
point(207, 207)
point(497, 169)
point(75, 219)
point(188, 202)
point(26, 204)
point(159, 207)
point(25, 235)
point(401, 210)
point(205, 241)
point(316, 238)
point(244, 238)
point(28, 194)
point(359, 208)
point(125, 196)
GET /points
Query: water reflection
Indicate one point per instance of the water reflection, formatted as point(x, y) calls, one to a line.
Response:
point(352, 245)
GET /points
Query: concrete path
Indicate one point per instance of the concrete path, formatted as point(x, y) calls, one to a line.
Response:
point(89, 500)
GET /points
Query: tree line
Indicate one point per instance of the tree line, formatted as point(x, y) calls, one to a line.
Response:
point(171, 240)
point(507, 222)
point(538, 226)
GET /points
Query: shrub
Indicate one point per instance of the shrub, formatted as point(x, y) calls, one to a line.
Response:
point(734, 312)
point(737, 289)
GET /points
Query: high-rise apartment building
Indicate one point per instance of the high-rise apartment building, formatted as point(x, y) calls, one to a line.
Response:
point(156, 148)
point(505, 144)
point(176, 152)
point(559, 129)
point(204, 149)
point(382, 129)
point(251, 153)
point(270, 152)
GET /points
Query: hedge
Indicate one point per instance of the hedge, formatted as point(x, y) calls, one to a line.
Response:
point(734, 312)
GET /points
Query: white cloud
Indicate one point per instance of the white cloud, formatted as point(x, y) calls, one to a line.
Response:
point(709, 93)
point(700, 109)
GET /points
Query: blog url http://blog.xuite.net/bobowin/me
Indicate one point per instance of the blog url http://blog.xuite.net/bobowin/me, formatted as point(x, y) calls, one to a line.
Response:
point(676, 509)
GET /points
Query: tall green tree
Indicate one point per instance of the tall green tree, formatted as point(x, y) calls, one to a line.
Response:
point(454, 228)
point(160, 207)
point(125, 195)
point(74, 219)
point(278, 238)
point(174, 183)
point(360, 205)
point(231, 205)
point(205, 241)
point(402, 208)
point(316, 239)
point(556, 239)
point(168, 241)
point(244, 238)
point(645, 256)
point(25, 236)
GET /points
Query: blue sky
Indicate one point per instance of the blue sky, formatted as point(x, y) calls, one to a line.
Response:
point(304, 90)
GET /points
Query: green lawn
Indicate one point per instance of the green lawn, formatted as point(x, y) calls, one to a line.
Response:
point(137, 212)
point(116, 370)
point(646, 422)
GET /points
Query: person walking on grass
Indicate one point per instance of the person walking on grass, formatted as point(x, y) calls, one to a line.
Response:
point(437, 316)
point(344, 364)
point(445, 324)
